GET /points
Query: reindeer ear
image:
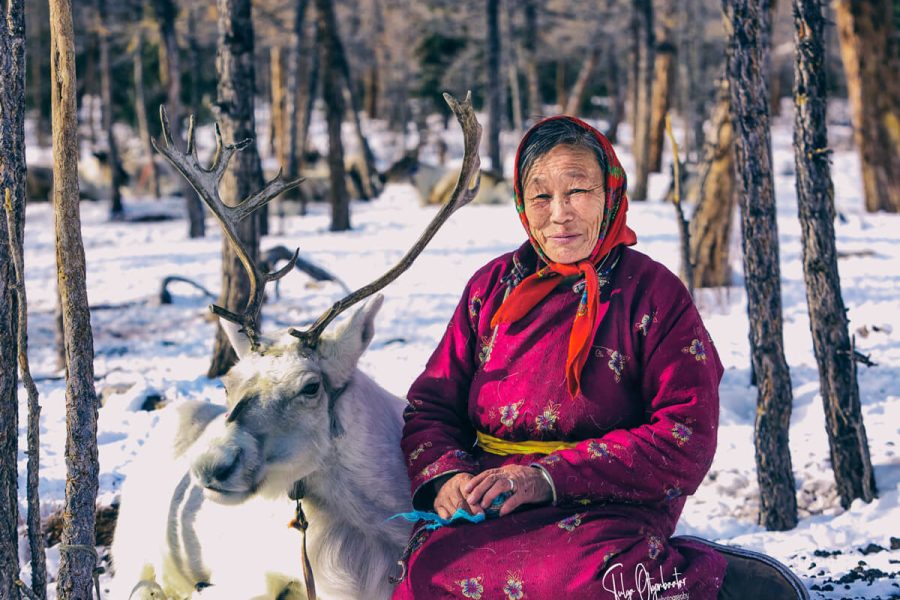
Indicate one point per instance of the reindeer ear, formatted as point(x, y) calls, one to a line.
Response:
point(341, 352)
point(239, 340)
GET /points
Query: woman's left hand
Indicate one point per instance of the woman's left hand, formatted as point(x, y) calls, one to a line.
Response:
point(525, 485)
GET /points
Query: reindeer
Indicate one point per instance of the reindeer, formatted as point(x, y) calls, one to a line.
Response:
point(204, 510)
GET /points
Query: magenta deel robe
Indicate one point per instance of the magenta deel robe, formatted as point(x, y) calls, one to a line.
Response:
point(646, 425)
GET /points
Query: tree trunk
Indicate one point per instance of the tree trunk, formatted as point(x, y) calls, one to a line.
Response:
point(494, 82)
point(663, 80)
point(37, 62)
point(646, 43)
point(577, 93)
point(827, 315)
point(115, 168)
point(78, 558)
point(870, 49)
point(371, 187)
point(194, 63)
point(532, 36)
point(140, 100)
point(616, 85)
point(235, 102)
point(712, 219)
point(750, 103)
point(292, 95)
point(166, 13)
point(278, 113)
point(515, 94)
point(334, 105)
point(12, 193)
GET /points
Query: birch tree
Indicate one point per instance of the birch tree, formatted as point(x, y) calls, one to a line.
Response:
point(78, 558)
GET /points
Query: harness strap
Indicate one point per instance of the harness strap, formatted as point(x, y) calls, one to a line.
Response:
point(300, 523)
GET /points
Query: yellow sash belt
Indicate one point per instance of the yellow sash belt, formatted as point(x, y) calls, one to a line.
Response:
point(500, 447)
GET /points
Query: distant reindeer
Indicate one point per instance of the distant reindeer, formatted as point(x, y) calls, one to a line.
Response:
point(205, 508)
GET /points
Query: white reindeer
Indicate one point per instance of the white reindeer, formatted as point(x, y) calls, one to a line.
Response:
point(205, 509)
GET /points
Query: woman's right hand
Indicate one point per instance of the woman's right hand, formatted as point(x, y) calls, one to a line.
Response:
point(450, 496)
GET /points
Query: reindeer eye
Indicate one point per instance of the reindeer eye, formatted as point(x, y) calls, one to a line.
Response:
point(310, 389)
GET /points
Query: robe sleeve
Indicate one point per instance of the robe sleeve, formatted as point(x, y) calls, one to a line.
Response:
point(437, 433)
point(669, 454)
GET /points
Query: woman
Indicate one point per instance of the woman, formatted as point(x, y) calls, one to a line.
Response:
point(577, 382)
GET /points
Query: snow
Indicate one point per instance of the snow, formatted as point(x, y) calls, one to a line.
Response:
point(143, 348)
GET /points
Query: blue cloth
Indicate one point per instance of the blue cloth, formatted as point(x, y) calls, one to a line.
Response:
point(436, 522)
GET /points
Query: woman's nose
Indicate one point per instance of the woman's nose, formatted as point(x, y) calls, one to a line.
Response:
point(561, 208)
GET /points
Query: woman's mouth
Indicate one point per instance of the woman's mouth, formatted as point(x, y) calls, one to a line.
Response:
point(564, 239)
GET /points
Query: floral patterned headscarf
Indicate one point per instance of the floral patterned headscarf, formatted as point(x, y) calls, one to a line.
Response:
point(613, 232)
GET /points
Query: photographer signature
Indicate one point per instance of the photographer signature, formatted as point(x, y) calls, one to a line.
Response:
point(646, 586)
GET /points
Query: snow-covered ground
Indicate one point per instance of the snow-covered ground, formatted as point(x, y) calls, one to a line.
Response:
point(144, 348)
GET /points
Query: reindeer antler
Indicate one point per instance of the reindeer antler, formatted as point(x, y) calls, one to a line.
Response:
point(206, 182)
point(462, 194)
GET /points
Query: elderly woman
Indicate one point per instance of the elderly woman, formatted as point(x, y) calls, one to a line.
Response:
point(577, 385)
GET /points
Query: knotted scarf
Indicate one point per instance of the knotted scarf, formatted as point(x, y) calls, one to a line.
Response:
point(534, 288)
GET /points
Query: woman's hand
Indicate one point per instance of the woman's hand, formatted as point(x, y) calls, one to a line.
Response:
point(450, 497)
point(525, 485)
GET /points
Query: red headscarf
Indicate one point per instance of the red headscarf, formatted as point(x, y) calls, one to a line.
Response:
point(534, 288)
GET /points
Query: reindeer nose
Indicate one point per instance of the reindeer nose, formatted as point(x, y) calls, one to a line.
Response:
point(224, 469)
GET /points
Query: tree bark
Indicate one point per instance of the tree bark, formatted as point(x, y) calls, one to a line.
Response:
point(371, 183)
point(746, 20)
point(37, 62)
point(12, 193)
point(663, 80)
point(712, 219)
point(115, 168)
point(870, 50)
point(494, 82)
point(646, 42)
point(293, 98)
point(332, 93)
point(166, 13)
point(576, 95)
point(77, 557)
point(535, 108)
point(235, 104)
point(616, 85)
point(140, 100)
point(827, 315)
point(278, 112)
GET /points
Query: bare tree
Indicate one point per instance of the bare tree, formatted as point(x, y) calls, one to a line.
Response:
point(747, 19)
point(77, 555)
point(12, 194)
point(827, 315)
point(112, 156)
point(334, 103)
point(713, 216)
point(665, 61)
point(140, 100)
point(494, 83)
point(529, 45)
point(166, 13)
point(870, 48)
point(235, 102)
point(576, 96)
point(645, 43)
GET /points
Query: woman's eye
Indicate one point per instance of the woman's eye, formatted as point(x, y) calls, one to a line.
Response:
point(310, 389)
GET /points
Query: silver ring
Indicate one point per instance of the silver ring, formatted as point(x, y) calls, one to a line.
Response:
point(512, 485)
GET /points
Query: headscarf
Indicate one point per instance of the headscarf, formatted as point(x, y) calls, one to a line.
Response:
point(534, 288)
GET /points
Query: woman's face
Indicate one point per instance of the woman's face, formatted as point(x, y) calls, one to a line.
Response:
point(564, 202)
